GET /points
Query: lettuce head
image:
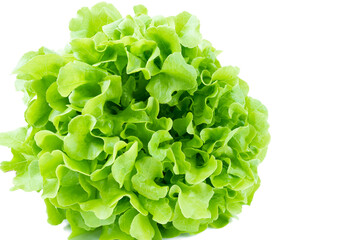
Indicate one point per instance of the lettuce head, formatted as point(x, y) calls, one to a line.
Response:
point(135, 130)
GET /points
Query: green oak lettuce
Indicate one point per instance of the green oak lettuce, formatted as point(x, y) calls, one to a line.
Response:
point(135, 130)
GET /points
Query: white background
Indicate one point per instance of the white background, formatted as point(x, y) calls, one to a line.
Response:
point(300, 58)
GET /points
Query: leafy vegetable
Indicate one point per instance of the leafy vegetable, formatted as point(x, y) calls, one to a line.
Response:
point(136, 131)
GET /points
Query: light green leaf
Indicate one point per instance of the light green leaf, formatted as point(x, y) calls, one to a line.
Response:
point(166, 39)
point(159, 144)
point(126, 219)
point(110, 191)
point(111, 232)
point(92, 221)
point(141, 228)
point(18, 163)
point(160, 209)
point(55, 215)
point(184, 125)
point(48, 141)
point(105, 170)
point(124, 164)
point(86, 51)
point(194, 200)
point(140, 9)
point(40, 66)
point(79, 132)
point(175, 75)
point(176, 155)
point(30, 180)
point(184, 224)
point(228, 75)
point(90, 21)
point(71, 192)
point(48, 164)
point(75, 74)
point(188, 29)
point(78, 226)
point(111, 91)
point(54, 99)
point(38, 112)
point(98, 207)
point(15, 139)
point(143, 182)
point(142, 57)
point(201, 167)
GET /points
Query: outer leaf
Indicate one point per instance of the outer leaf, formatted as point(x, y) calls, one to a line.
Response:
point(124, 164)
point(141, 228)
point(175, 75)
point(48, 141)
point(80, 132)
point(48, 164)
point(227, 75)
point(184, 125)
point(111, 91)
point(147, 170)
point(18, 163)
point(15, 139)
point(38, 112)
point(55, 216)
point(92, 221)
point(126, 219)
point(111, 193)
point(98, 207)
point(185, 224)
point(188, 29)
point(157, 144)
point(140, 9)
point(194, 200)
point(90, 21)
point(71, 191)
point(54, 99)
point(160, 209)
point(201, 166)
point(166, 39)
point(40, 66)
point(30, 180)
point(75, 74)
point(113, 231)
